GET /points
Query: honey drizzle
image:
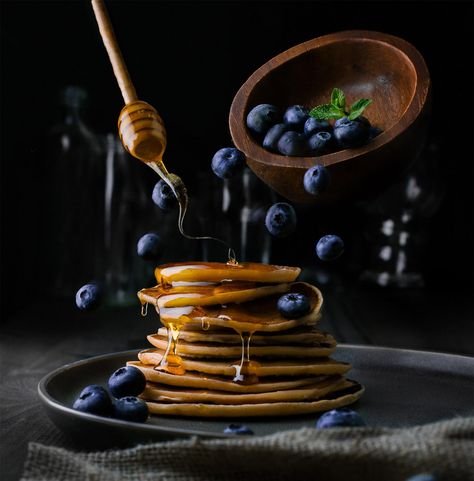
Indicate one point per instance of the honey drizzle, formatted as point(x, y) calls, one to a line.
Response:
point(245, 370)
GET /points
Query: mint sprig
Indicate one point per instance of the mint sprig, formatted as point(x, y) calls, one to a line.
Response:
point(337, 108)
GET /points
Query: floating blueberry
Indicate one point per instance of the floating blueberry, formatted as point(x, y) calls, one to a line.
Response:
point(131, 409)
point(227, 162)
point(127, 381)
point(237, 429)
point(313, 126)
point(296, 116)
point(281, 219)
point(94, 399)
point(270, 142)
point(292, 143)
point(316, 180)
point(149, 247)
point(262, 117)
point(343, 417)
point(423, 477)
point(163, 196)
point(329, 247)
point(320, 143)
point(293, 305)
point(89, 296)
point(352, 133)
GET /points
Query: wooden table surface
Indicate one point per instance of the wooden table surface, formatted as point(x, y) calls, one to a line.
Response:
point(42, 337)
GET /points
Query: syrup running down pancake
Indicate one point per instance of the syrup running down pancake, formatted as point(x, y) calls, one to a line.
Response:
point(227, 351)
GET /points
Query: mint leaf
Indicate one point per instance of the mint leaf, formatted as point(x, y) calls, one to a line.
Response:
point(326, 112)
point(358, 107)
point(338, 99)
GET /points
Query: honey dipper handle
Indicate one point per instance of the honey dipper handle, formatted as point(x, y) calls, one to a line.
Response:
point(113, 50)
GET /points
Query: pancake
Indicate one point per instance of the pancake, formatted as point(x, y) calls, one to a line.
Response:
point(317, 390)
point(211, 350)
point(304, 335)
point(347, 395)
point(219, 271)
point(293, 367)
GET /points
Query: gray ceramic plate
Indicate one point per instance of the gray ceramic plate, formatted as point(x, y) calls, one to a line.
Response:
point(403, 388)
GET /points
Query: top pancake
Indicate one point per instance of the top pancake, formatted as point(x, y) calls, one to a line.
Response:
point(219, 271)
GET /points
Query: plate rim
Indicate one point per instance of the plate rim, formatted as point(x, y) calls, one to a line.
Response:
point(52, 403)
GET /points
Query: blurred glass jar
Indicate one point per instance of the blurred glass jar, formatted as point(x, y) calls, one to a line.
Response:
point(74, 185)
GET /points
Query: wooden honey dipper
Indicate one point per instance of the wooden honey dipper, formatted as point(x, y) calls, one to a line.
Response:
point(141, 129)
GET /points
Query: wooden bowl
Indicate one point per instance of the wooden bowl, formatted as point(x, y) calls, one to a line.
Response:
point(363, 64)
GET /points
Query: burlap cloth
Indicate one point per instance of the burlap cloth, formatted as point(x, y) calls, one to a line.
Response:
point(444, 448)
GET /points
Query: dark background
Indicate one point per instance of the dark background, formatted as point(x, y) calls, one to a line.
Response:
point(188, 60)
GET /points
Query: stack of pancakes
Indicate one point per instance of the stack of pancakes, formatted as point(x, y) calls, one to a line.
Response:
point(227, 351)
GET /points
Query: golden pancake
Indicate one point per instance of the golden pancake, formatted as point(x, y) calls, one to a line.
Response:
point(304, 335)
point(162, 393)
point(333, 400)
point(211, 350)
point(219, 271)
point(292, 367)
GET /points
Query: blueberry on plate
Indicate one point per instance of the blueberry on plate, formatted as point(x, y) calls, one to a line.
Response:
point(131, 408)
point(423, 477)
point(149, 247)
point(296, 116)
point(293, 305)
point(352, 133)
point(94, 399)
point(270, 142)
point(163, 196)
point(313, 126)
point(320, 143)
point(343, 417)
point(281, 219)
point(227, 162)
point(127, 381)
point(262, 117)
point(89, 296)
point(316, 180)
point(329, 247)
point(293, 144)
point(237, 429)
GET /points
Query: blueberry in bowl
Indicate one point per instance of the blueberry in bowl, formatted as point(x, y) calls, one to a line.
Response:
point(352, 133)
point(292, 143)
point(130, 408)
point(320, 143)
point(313, 126)
point(296, 116)
point(262, 117)
point(270, 141)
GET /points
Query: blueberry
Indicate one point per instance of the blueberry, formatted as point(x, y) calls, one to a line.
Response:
point(281, 219)
point(89, 296)
point(270, 142)
point(94, 400)
point(329, 247)
point(262, 117)
point(374, 131)
point(296, 116)
point(131, 409)
point(313, 126)
point(149, 247)
point(227, 162)
point(163, 196)
point(316, 179)
point(423, 477)
point(127, 381)
point(292, 143)
point(237, 429)
point(293, 305)
point(352, 133)
point(320, 143)
point(340, 418)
